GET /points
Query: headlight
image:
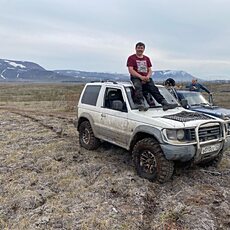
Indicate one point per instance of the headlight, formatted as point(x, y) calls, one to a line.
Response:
point(180, 134)
point(175, 134)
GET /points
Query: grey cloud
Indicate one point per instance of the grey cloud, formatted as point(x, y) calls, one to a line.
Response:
point(188, 35)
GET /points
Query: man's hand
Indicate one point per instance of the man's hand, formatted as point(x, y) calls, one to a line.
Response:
point(148, 77)
point(145, 78)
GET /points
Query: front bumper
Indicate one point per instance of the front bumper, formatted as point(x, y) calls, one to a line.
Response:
point(175, 152)
point(188, 152)
point(206, 145)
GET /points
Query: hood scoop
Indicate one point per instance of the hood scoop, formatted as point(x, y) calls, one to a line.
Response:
point(187, 116)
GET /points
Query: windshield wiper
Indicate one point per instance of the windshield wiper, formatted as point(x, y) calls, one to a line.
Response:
point(195, 104)
point(200, 104)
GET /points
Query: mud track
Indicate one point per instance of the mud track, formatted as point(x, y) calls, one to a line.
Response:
point(48, 182)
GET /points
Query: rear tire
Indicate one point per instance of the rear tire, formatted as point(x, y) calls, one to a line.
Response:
point(150, 161)
point(86, 136)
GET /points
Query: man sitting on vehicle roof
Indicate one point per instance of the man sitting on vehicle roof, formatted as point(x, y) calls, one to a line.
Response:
point(139, 67)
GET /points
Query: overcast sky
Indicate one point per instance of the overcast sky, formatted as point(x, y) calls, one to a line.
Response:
point(99, 35)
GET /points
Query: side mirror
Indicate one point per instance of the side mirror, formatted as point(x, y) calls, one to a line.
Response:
point(210, 99)
point(184, 103)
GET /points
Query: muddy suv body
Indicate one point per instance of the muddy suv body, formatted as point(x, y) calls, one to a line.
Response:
point(156, 138)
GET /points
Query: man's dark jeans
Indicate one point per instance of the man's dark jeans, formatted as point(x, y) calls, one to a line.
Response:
point(146, 87)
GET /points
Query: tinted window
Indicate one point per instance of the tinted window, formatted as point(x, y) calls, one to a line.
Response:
point(114, 100)
point(91, 94)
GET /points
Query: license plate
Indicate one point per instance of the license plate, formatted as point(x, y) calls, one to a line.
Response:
point(210, 148)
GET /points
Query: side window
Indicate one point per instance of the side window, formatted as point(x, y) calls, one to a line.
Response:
point(91, 94)
point(113, 99)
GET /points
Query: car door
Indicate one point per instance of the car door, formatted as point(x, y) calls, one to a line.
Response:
point(113, 124)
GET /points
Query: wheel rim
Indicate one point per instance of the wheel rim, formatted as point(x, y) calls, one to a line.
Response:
point(148, 162)
point(86, 136)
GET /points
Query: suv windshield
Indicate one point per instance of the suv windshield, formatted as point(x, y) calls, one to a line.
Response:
point(195, 98)
point(164, 92)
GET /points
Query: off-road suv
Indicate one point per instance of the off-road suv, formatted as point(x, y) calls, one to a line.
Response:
point(156, 138)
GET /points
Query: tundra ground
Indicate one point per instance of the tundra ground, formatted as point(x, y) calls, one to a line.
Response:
point(47, 181)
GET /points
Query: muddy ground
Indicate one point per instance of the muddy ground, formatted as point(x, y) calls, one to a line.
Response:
point(48, 182)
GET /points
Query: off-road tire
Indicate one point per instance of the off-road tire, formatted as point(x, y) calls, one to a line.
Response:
point(86, 136)
point(150, 161)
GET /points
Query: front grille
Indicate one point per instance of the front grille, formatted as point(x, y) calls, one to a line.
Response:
point(206, 133)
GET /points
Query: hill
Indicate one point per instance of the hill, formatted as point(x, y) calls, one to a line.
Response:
point(25, 71)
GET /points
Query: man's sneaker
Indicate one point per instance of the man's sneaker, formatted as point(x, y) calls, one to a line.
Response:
point(167, 106)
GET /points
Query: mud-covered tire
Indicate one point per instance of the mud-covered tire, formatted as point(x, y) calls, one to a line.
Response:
point(86, 136)
point(150, 161)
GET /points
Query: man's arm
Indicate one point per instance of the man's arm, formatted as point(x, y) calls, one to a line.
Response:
point(149, 72)
point(204, 88)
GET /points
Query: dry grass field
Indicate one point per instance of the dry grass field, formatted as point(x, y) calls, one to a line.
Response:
point(48, 182)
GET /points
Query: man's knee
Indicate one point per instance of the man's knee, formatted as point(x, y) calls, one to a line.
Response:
point(138, 87)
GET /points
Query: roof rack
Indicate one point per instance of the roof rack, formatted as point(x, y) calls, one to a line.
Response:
point(103, 81)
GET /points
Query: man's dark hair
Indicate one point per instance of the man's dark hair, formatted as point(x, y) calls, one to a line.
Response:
point(140, 44)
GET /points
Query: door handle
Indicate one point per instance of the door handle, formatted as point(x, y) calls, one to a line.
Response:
point(103, 115)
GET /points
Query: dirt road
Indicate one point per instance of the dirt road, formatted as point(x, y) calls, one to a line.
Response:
point(48, 182)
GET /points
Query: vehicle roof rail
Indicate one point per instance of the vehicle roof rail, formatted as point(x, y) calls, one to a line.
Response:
point(103, 81)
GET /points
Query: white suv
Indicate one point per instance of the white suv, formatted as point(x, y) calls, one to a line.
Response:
point(156, 138)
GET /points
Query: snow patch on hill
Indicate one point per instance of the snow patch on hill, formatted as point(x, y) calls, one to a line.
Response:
point(14, 64)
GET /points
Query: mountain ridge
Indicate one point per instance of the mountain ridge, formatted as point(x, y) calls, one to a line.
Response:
point(26, 71)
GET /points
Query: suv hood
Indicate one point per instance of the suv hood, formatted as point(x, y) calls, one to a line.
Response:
point(212, 110)
point(174, 118)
